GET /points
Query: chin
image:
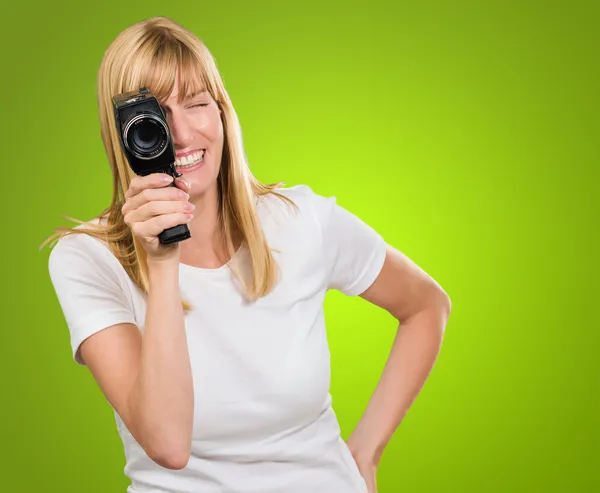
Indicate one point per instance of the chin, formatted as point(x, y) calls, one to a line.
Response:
point(202, 177)
point(201, 185)
point(202, 189)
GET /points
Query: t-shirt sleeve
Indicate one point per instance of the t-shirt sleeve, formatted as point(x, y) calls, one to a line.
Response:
point(87, 287)
point(353, 251)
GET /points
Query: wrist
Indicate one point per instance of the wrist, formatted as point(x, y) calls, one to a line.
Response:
point(363, 452)
point(163, 266)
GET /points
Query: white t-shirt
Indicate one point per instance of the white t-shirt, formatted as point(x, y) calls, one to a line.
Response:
point(263, 417)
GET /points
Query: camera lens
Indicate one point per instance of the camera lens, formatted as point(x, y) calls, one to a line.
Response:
point(146, 136)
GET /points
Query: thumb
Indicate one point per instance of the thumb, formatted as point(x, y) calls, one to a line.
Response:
point(183, 184)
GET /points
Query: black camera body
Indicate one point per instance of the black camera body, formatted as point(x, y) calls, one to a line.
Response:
point(147, 143)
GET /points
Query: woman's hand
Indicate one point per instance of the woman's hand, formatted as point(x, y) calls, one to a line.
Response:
point(366, 463)
point(368, 470)
point(151, 206)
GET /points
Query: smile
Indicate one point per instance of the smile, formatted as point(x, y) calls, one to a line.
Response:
point(190, 160)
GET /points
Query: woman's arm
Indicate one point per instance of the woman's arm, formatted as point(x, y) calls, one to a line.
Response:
point(422, 309)
point(147, 378)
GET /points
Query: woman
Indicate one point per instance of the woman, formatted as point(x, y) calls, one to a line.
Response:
point(212, 352)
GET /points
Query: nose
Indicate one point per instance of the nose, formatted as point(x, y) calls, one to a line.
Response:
point(181, 130)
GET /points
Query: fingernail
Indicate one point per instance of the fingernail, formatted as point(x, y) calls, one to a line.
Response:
point(166, 179)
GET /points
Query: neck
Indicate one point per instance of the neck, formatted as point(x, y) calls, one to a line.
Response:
point(205, 248)
point(205, 223)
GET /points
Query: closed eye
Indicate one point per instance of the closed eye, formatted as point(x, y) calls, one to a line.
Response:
point(199, 104)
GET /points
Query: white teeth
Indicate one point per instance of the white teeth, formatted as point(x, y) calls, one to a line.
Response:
point(190, 160)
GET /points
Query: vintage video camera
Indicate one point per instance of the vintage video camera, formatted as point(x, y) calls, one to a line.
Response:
point(147, 143)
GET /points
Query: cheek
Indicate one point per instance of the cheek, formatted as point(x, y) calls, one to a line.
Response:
point(210, 126)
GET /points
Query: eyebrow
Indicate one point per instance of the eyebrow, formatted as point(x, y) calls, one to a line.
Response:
point(195, 94)
point(189, 98)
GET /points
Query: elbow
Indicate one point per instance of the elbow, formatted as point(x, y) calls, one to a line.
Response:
point(175, 459)
point(444, 308)
point(446, 304)
point(440, 300)
point(167, 445)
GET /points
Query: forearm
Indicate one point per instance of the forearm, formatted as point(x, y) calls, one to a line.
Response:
point(162, 398)
point(413, 354)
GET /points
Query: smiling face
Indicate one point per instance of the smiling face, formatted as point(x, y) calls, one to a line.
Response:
point(197, 131)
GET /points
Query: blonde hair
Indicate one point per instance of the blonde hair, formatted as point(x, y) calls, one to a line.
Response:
point(147, 54)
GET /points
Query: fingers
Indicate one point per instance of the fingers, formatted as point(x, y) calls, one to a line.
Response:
point(154, 180)
point(154, 203)
point(153, 194)
point(155, 208)
point(183, 184)
point(156, 225)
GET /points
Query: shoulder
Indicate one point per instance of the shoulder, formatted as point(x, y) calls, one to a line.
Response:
point(79, 241)
point(291, 216)
point(303, 203)
point(299, 192)
point(79, 251)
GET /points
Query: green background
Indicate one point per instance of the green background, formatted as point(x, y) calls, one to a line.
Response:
point(466, 133)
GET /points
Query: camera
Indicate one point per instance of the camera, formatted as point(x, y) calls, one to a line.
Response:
point(146, 141)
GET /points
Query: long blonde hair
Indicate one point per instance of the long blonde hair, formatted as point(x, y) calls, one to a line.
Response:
point(148, 54)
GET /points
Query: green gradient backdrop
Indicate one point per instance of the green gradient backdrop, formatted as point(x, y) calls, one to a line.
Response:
point(466, 134)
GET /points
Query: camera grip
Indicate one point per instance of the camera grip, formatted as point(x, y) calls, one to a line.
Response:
point(174, 234)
